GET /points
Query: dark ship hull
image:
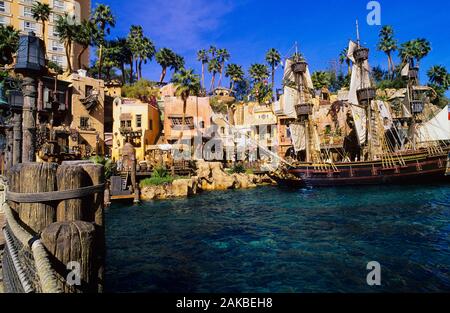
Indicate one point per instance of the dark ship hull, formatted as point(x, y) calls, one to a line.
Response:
point(418, 167)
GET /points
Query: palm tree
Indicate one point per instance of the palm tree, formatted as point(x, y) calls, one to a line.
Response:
point(222, 56)
point(321, 79)
point(439, 76)
point(273, 58)
point(378, 74)
point(41, 13)
point(177, 63)
point(213, 68)
point(165, 57)
point(212, 50)
point(67, 34)
point(202, 56)
point(85, 36)
point(388, 44)
point(343, 57)
point(146, 53)
point(187, 84)
point(414, 49)
point(104, 19)
point(235, 73)
point(9, 43)
point(259, 72)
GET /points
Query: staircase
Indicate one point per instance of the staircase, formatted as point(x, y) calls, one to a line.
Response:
point(124, 176)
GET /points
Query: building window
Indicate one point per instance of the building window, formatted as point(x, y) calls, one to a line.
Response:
point(2, 20)
point(57, 46)
point(58, 4)
point(29, 26)
point(27, 12)
point(88, 90)
point(84, 122)
point(138, 121)
point(202, 124)
point(129, 123)
point(122, 124)
point(150, 124)
point(2, 6)
point(58, 60)
point(177, 122)
point(54, 32)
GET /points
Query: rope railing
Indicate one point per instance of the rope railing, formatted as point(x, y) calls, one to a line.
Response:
point(40, 263)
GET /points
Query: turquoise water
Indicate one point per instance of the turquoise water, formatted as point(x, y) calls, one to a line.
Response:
point(280, 240)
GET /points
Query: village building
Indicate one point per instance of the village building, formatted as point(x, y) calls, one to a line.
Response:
point(88, 115)
point(135, 122)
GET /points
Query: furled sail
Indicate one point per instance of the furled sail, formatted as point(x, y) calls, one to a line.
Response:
point(360, 79)
point(290, 97)
point(298, 135)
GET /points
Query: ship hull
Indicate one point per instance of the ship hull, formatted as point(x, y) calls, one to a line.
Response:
point(418, 168)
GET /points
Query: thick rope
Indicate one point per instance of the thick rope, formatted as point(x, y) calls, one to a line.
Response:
point(54, 195)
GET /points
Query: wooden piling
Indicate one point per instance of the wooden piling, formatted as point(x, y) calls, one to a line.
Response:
point(36, 178)
point(73, 242)
point(95, 176)
point(71, 177)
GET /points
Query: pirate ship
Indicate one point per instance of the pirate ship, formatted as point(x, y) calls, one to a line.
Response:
point(379, 146)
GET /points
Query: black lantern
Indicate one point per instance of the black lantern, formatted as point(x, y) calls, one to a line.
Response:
point(15, 98)
point(31, 54)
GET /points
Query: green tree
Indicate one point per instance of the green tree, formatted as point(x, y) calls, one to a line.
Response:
point(122, 57)
point(203, 58)
point(235, 73)
point(273, 58)
point(85, 36)
point(9, 43)
point(343, 58)
point(388, 44)
point(104, 19)
point(378, 74)
point(178, 63)
point(165, 58)
point(213, 68)
point(438, 75)
point(41, 13)
point(187, 84)
point(321, 79)
point(67, 33)
point(259, 72)
point(222, 56)
point(415, 49)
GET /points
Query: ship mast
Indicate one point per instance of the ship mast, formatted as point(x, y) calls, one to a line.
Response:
point(366, 93)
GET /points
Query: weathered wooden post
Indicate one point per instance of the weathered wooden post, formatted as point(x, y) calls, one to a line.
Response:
point(29, 120)
point(71, 177)
point(17, 138)
point(72, 246)
point(36, 178)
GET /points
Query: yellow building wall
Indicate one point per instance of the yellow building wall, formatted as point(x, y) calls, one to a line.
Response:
point(150, 126)
point(17, 14)
point(96, 116)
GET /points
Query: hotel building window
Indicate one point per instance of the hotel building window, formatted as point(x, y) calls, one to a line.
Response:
point(2, 20)
point(57, 46)
point(27, 12)
point(58, 4)
point(138, 121)
point(2, 6)
point(150, 125)
point(29, 26)
point(58, 60)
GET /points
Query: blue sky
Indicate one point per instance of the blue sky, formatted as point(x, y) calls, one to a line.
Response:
point(248, 28)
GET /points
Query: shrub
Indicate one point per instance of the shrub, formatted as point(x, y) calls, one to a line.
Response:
point(156, 181)
point(238, 169)
point(160, 172)
point(107, 164)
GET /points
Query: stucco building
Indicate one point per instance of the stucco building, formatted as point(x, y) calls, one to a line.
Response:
point(135, 122)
